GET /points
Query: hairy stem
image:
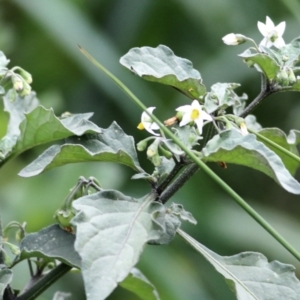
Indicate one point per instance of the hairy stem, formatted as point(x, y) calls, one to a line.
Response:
point(266, 90)
point(169, 178)
point(178, 182)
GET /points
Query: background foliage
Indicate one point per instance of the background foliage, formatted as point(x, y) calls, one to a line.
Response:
point(42, 37)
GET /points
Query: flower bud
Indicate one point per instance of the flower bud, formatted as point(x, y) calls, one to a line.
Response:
point(291, 76)
point(142, 145)
point(13, 248)
point(156, 160)
point(233, 39)
point(27, 76)
point(179, 115)
point(64, 217)
point(17, 82)
point(166, 153)
point(26, 90)
point(152, 149)
point(283, 78)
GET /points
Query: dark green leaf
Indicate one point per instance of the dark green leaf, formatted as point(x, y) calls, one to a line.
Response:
point(161, 65)
point(265, 63)
point(117, 226)
point(278, 136)
point(249, 274)
point(51, 242)
point(232, 147)
point(138, 284)
point(112, 145)
point(42, 126)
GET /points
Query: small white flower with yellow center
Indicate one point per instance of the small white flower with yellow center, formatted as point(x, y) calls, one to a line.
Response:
point(272, 34)
point(147, 123)
point(193, 113)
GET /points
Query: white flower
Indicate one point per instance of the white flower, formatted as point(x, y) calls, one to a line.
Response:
point(233, 39)
point(147, 123)
point(194, 113)
point(272, 35)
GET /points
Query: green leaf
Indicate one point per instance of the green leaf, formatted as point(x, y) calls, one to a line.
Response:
point(16, 110)
point(42, 126)
point(263, 62)
point(178, 210)
point(279, 137)
point(232, 147)
point(288, 55)
point(161, 65)
point(249, 274)
point(223, 96)
point(51, 242)
point(138, 284)
point(112, 145)
point(31, 125)
point(5, 278)
point(118, 226)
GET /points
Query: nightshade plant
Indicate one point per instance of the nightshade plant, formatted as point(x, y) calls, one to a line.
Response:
point(103, 232)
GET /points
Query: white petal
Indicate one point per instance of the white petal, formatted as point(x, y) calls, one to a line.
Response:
point(152, 132)
point(185, 120)
point(269, 23)
point(206, 116)
point(145, 117)
point(199, 123)
point(149, 129)
point(262, 28)
point(265, 42)
point(154, 126)
point(230, 39)
point(279, 43)
point(280, 28)
point(184, 108)
point(196, 105)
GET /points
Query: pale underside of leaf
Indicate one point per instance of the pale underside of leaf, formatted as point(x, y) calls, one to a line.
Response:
point(16, 110)
point(112, 145)
point(250, 275)
point(232, 147)
point(289, 142)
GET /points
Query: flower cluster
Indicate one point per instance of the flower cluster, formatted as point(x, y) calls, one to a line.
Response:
point(272, 35)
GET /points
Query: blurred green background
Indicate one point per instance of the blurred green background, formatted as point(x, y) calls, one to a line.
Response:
point(42, 36)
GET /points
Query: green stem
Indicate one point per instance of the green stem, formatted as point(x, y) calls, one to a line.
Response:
point(45, 282)
point(199, 162)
